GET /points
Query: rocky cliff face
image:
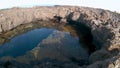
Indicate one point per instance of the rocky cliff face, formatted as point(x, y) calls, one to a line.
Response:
point(104, 25)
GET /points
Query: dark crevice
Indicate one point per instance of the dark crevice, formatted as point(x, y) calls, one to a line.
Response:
point(57, 18)
point(84, 34)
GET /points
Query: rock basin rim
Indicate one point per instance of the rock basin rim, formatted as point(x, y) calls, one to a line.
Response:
point(104, 26)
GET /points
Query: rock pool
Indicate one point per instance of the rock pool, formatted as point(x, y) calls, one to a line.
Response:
point(45, 45)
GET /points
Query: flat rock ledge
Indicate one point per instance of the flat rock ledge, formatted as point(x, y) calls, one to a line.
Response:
point(104, 25)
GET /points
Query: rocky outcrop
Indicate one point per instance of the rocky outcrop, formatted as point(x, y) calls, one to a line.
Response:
point(104, 25)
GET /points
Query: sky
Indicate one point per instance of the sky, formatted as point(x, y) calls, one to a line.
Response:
point(113, 5)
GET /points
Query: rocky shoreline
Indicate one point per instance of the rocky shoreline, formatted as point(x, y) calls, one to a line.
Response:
point(104, 26)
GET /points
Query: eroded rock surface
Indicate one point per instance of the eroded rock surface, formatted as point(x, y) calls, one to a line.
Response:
point(104, 25)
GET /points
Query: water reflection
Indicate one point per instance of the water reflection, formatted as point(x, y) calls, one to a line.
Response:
point(46, 43)
point(61, 46)
point(25, 42)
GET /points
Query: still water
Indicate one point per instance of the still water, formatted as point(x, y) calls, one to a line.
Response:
point(24, 42)
point(51, 43)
